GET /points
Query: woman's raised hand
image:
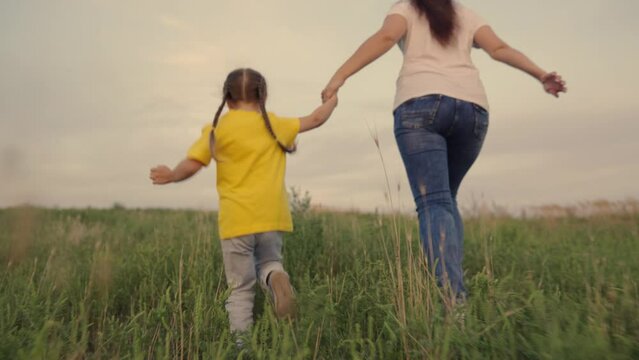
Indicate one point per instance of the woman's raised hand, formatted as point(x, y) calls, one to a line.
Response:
point(332, 88)
point(553, 84)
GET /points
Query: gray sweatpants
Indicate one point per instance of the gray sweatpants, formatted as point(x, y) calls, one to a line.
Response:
point(247, 259)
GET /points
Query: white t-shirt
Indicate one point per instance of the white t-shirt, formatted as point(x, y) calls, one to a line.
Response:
point(430, 68)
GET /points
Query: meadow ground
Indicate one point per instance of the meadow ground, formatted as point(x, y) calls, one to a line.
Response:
point(149, 284)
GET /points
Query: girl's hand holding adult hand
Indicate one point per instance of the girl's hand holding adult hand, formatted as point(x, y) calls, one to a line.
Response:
point(331, 102)
point(332, 88)
point(553, 84)
point(161, 175)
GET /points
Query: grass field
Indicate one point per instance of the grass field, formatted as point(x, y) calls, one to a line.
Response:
point(149, 284)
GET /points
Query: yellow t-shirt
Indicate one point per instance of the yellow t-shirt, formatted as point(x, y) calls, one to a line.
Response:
point(250, 171)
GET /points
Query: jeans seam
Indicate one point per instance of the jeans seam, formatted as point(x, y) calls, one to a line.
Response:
point(436, 110)
point(478, 134)
point(455, 120)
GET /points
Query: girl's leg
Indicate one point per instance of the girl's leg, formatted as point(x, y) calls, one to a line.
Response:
point(268, 255)
point(239, 267)
point(268, 258)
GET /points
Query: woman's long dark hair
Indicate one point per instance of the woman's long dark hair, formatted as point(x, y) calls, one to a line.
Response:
point(250, 86)
point(441, 16)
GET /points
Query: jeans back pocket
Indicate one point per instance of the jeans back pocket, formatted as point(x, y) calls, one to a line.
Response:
point(418, 113)
point(414, 121)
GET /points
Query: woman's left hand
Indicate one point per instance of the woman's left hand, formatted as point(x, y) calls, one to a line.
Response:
point(332, 88)
point(553, 84)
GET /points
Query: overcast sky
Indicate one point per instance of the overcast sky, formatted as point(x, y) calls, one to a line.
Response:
point(95, 92)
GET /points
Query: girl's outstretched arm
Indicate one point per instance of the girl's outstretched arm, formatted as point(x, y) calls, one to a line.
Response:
point(392, 31)
point(499, 50)
point(319, 116)
point(162, 174)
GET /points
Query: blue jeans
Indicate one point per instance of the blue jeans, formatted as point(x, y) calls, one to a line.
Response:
point(439, 138)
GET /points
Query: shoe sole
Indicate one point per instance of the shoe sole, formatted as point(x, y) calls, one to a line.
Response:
point(283, 296)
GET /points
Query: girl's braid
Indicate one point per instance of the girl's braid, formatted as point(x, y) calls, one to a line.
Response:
point(261, 97)
point(225, 98)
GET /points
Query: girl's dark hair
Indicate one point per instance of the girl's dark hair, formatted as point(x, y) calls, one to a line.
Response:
point(250, 86)
point(441, 16)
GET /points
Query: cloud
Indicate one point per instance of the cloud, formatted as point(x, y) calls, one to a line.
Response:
point(82, 120)
point(173, 23)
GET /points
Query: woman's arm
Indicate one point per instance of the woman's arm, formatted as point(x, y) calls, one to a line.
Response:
point(319, 116)
point(392, 31)
point(162, 174)
point(499, 50)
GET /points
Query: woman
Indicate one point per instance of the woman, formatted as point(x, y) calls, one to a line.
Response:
point(441, 112)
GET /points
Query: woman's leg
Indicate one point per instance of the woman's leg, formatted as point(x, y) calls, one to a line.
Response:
point(239, 267)
point(464, 145)
point(425, 154)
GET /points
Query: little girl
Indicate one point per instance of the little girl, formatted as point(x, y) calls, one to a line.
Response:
point(249, 146)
